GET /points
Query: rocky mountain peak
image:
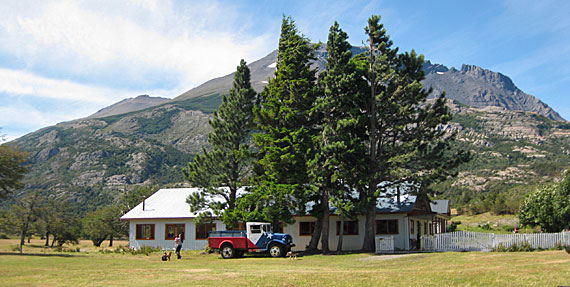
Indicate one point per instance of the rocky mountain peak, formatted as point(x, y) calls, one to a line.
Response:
point(129, 105)
point(478, 87)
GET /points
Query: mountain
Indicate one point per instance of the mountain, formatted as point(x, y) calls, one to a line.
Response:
point(129, 105)
point(148, 140)
point(478, 87)
point(472, 85)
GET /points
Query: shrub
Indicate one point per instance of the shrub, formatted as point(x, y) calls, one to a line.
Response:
point(508, 228)
point(3, 236)
point(453, 226)
point(146, 250)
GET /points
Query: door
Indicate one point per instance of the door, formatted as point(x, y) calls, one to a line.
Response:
point(257, 235)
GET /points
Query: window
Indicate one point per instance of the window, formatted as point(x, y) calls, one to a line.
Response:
point(350, 227)
point(172, 230)
point(430, 229)
point(389, 226)
point(255, 228)
point(411, 226)
point(203, 229)
point(145, 232)
point(306, 228)
point(425, 228)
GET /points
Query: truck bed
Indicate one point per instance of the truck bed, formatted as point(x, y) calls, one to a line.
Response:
point(238, 239)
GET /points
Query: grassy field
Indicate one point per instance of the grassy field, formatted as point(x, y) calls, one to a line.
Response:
point(490, 223)
point(93, 268)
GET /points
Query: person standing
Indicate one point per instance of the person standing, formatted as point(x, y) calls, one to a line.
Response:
point(178, 244)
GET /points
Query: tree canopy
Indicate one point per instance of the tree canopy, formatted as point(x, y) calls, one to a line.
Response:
point(548, 207)
point(228, 164)
point(12, 169)
point(285, 130)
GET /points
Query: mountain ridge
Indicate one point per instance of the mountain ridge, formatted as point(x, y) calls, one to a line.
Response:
point(102, 155)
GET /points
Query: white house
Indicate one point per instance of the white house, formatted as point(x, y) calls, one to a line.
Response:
point(160, 218)
point(156, 221)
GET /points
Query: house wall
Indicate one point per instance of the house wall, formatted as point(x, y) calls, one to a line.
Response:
point(350, 242)
point(190, 243)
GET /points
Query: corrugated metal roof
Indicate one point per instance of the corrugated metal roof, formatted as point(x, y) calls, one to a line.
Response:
point(165, 203)
point(171, 203)
point(390, 204)
point(440, 206)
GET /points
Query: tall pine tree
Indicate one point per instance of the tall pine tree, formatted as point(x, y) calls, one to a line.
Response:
point(228, 164)
point(336, 149)
point(405, 142)
point(286, 131)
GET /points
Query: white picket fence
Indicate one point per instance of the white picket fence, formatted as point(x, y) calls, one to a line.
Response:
point(474, 241)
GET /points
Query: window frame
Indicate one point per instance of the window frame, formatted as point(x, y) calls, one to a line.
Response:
point(207, 228)
point(176, 230)
point(312, 225)
point(140, 230)
point(387, 231)
point(346, 230)
point(412, 223)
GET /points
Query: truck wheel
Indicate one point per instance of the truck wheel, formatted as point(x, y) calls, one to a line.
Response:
point(276, 250)
point(227, 251)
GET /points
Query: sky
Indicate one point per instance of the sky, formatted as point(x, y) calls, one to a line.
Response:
point(64, 60)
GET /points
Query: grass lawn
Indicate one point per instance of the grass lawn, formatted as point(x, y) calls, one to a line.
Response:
point(91, 267)
point(495, 223)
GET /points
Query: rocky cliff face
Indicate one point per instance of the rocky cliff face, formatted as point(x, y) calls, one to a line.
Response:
point(478, 87)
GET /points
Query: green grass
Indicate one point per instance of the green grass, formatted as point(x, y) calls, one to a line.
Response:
point(498, 224)
point(547, 268)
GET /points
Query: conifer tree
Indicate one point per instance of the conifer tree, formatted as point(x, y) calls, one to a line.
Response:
point(405, 141)
point(335, 145)
point(286, 130)
point(228, 164)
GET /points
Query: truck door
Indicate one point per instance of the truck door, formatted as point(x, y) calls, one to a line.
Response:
point(257, 235)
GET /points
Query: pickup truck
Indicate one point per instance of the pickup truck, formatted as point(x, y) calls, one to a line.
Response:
point(258, 237)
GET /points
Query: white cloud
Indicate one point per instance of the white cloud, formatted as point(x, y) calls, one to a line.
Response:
point(80, 56)
point(135, 40)
point(24, 83)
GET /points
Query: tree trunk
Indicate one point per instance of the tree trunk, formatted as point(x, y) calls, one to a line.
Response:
point(29, 238)
point(111, 241)
point(316, 236)
point(99, 241)
point(325, 222)
point(47, 238)
point(368, 244)
point(340, 235)
point(370, 199)
point(23, 237)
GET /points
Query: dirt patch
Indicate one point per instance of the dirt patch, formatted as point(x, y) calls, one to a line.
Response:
point(195, 270)
point(388, 257)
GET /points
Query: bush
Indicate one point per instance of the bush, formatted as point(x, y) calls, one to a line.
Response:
point(485, 226)
point(3, 236)
point(146, 250)
point(508, 228)
point(453, 226)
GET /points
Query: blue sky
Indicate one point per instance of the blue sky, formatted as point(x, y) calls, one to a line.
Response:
point(63, 60)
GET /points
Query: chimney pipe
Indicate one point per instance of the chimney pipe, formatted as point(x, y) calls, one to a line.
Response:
point(144, 198)
point(398, 189)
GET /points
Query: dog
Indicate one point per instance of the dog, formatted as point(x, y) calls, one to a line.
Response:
point(166, 256)
point(291, 255)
